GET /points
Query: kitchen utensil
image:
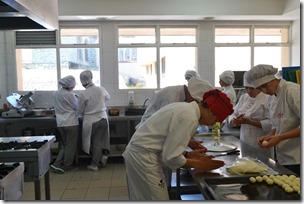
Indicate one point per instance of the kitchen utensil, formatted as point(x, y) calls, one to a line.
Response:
point(219, 147)
point(113, 112)
point(39, 112)
point(227, 153)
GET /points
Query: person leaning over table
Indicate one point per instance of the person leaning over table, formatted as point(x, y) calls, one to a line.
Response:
point(226, 80)
point(65, 105)
point(180, 93)
point(164, 137)
point(252, 115)
point(95, 125)
point(285, 132)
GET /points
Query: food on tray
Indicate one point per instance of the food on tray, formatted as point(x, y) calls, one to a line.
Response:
point(288, 183)
point(247, 165)
point(259, 179)
point(252, 179)
point(269, 181)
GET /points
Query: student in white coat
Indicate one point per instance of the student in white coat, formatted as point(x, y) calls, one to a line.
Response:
point(163, 138)
point(286, 132)
point(65, 106)
point(226, 81)
point(180, 93)
point(95, 125)
point(252, 115)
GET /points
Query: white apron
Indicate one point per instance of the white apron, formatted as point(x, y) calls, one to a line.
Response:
point(87, 123)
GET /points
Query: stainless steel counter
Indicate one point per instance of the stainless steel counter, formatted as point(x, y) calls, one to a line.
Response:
point(121, 129)
point(245, 150)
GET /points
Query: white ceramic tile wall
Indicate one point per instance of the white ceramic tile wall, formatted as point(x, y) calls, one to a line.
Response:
point(109, 68)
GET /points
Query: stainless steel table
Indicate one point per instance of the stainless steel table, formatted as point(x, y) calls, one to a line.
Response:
point(245, 150)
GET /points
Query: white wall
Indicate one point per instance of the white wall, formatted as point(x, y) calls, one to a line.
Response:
point(109, 72)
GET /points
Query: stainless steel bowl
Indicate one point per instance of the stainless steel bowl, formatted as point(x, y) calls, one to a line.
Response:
point(39, 112)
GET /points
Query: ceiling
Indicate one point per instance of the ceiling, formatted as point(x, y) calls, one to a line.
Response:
point(137, 10)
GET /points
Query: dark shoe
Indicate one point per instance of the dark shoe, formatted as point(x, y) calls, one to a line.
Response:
point(70, 168)
point(57, 170)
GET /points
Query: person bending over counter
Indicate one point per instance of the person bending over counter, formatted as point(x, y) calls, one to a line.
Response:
point(163, 138)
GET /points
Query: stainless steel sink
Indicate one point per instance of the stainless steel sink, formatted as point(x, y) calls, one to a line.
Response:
point(135, 110)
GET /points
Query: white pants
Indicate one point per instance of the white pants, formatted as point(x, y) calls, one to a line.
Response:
point(145, 178)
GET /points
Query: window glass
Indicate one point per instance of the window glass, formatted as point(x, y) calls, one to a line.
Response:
point(75, 60)
point(174, 62)
point(232, 35)
point(279, 56)
point(271, 35)
point(231, 58)
point(36, 69)
point(178, 35)
point(79, 36)
point(137, 67)
point(136, 35)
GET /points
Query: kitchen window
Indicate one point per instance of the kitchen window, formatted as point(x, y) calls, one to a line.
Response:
point(41, 60)
point(149, 56)
point(239, 48)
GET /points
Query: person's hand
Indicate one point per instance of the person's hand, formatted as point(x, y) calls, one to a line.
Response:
point(268, 141)
point(194, 144)
point(196, 154)
point(206, 162)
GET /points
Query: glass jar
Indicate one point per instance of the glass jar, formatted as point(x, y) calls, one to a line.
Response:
point(216, 132)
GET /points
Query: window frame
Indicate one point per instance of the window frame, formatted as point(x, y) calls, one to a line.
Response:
point(157, 45)
point(58, 45)
point(251, 43)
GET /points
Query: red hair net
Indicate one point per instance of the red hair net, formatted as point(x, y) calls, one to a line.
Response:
point(219, 103)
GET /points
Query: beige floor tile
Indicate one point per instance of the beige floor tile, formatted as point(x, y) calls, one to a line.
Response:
point(97, 194)
point(82, 176)
point(101, 183)
point(56, 194)
point(74, 194)
point(107, 183)
point(78, 184)
point(118, 193)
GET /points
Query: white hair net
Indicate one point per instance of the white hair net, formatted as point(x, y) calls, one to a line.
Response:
point(260, 74)
point(191, 73)
point(227, 77)
point(245, 81)
point(197, 87)
point(67, 82)
point(86, 77)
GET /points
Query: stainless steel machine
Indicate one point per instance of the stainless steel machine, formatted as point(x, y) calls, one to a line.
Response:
point(21, 105)
point(35, 152)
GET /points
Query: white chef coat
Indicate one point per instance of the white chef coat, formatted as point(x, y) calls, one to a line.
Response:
point(164, 97)
point(93, 108)
point(160, 140)
point(287, 117)
point(230, 92)
point(256, 109)
point(65, 106)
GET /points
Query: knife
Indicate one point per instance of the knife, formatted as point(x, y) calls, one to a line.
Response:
point(227, 153)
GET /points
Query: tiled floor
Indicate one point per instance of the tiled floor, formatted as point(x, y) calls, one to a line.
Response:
point(108, 183)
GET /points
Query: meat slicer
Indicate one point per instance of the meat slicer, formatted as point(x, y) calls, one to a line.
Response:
point(20, 105)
